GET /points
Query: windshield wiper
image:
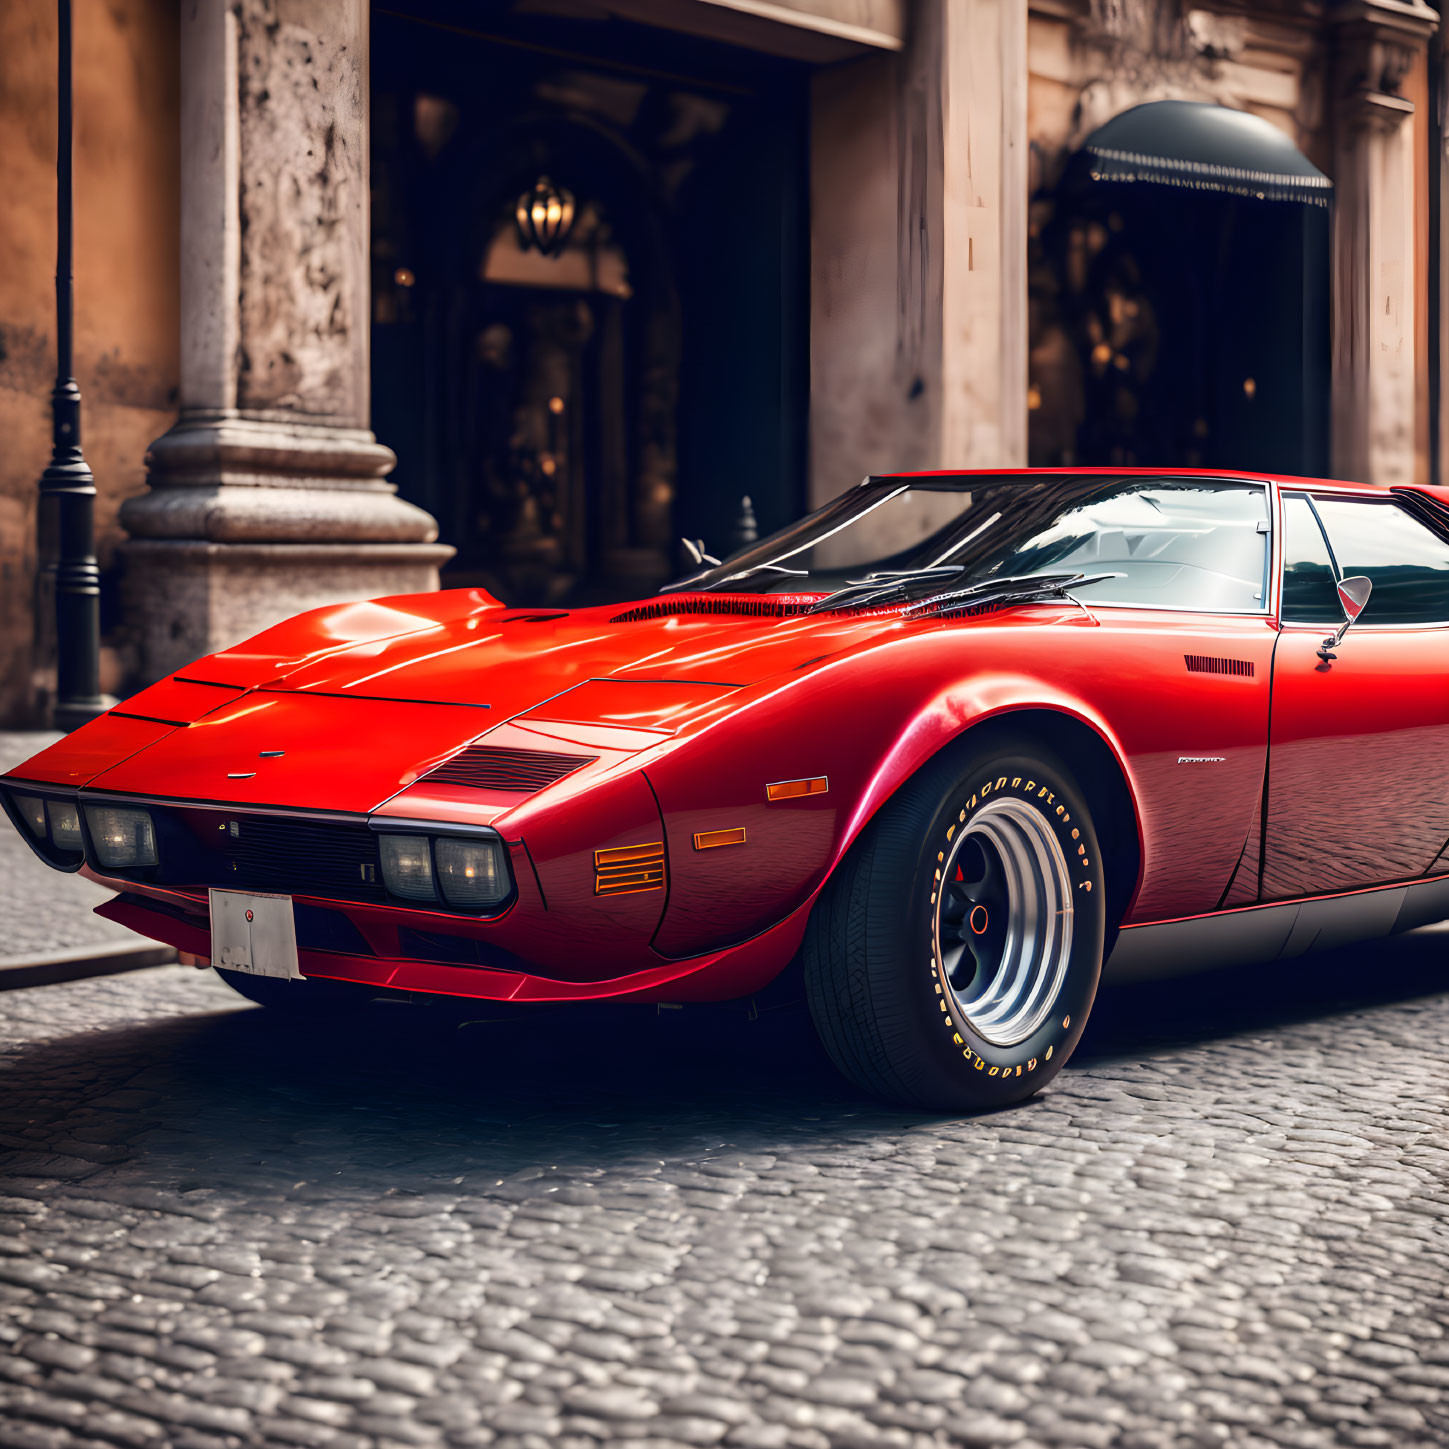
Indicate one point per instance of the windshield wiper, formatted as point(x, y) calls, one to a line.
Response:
point(881, 584)
point(694, 547)
point(773, 568)
point(1012, 588)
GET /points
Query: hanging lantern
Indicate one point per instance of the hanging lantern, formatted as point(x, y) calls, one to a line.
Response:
point(545, 216)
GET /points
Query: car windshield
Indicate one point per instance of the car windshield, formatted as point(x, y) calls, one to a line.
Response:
point(1173, 542)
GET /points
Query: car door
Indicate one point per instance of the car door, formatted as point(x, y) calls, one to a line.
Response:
point(1358, 764)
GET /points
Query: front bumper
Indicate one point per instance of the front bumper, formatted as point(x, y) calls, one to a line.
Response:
point(590, 886)
point(388, 935)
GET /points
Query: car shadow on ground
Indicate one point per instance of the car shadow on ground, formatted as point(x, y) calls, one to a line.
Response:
point(1130, 1020)
point(404, 1096)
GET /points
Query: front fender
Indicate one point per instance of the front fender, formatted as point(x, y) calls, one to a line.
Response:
point(963, 707)
point(865, 742)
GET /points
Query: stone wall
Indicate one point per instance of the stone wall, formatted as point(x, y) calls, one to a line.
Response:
point(126, 190)
point(1089, 60)
point(1347, 82)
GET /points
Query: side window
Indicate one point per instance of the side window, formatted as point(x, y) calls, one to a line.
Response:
point(1408, 563)
point(1310, 587)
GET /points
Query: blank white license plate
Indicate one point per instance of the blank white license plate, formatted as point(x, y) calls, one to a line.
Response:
point(254, 933)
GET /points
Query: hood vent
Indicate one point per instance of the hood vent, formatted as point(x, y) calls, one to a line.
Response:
point(762, 606)
point(485, 767)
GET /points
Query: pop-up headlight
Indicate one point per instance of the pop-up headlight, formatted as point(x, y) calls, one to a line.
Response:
point(65, 826)
point(407, 867)
point(121, 836)
point(472, 873)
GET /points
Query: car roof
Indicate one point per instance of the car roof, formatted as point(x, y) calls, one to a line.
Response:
point(1229, 474)
point(1436, 493)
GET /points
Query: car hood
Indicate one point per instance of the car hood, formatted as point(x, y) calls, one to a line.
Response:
point(512, 659)
point(341, 709)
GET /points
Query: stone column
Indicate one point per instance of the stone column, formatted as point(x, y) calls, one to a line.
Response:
point(1439, 259)
point(983, 233)
point(269, 495)
point(918, 250)
point(1376, 43)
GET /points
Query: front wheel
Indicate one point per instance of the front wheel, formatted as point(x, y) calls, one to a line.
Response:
point(953, 957)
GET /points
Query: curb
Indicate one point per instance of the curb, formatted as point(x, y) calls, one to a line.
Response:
point(76, 963)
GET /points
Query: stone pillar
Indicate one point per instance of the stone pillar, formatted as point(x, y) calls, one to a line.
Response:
point(269, 495)
point(918, 250)
point(1376, 43)
point(984, 234)
point(1439, 260)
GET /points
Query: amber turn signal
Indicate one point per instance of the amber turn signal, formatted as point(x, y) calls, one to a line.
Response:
point(627, 869)
point(794, 789)
point(710, 839)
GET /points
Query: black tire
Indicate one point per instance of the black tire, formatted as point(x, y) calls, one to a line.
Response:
point(298, 998)
point(878, 991)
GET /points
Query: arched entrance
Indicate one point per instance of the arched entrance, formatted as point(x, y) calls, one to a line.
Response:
point(561, 373)
point(567, 417)
point(1180, 307)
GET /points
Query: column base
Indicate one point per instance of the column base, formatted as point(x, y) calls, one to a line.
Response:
point(187, 597)
point(75, 712)
point(253, 518)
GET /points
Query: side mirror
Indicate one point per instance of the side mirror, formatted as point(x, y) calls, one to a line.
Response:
point(1353, 594)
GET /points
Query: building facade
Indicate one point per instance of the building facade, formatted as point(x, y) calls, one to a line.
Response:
point(810, 239)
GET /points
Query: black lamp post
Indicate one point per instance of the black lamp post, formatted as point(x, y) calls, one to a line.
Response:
point(67, 488)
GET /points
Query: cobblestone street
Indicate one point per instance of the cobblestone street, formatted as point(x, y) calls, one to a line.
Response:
point(1223, 1225)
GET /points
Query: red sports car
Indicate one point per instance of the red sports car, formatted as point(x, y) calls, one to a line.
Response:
point(954, 739)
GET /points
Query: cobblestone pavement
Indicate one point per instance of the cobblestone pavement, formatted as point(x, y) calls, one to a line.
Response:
point(1224, 1224)
point(40, 911)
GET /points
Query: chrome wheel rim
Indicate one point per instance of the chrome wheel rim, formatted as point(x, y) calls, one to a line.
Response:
point(1003, 921)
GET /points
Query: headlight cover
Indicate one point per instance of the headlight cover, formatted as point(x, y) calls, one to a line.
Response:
point(462, 872)
point(472, 873)
point(65, 826)
point(32, 811)
point(121, 836)
point(407, 867)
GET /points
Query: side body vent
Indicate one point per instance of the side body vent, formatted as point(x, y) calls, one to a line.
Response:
point(629, 868)
point(1211, 664)
point(486, 767)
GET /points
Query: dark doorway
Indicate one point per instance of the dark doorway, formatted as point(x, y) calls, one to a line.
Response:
point(1180, 317)
point(566, 418)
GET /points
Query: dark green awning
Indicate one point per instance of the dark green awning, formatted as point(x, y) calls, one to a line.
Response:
point(1203, 147)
